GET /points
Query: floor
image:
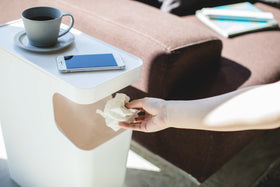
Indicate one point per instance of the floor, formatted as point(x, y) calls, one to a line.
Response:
point(145, 169)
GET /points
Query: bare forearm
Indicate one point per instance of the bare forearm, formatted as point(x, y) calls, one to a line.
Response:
point(250, 108)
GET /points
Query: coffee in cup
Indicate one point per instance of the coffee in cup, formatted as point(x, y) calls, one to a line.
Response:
point(42, 25)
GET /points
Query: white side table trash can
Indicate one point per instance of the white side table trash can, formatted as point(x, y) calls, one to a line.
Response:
point(52, 134)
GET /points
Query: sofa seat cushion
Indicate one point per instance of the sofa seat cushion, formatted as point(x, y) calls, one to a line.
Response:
point(249, 59)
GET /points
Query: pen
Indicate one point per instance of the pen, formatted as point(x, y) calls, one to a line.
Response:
point(237, 14)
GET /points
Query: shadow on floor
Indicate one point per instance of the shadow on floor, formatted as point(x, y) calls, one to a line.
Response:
point(142, 178)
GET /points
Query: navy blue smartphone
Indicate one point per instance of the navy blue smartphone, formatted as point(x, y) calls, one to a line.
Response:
point(90, 62)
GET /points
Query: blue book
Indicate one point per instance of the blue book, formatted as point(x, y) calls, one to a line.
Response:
point(228, 27)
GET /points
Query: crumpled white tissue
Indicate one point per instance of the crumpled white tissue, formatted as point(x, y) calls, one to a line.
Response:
point(115, 111)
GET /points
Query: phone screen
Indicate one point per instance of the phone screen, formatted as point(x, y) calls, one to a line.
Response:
point(90, 61)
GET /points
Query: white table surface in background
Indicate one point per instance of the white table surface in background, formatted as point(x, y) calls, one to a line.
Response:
point(92, 82)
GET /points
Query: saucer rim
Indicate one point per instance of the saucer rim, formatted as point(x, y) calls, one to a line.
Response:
point(20, 44)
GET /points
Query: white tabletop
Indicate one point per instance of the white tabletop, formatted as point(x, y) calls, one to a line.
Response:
point(83, 44)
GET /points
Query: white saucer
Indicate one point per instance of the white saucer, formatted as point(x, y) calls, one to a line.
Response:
point(21, 41)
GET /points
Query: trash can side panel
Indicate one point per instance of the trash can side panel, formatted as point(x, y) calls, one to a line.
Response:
point(80, 123)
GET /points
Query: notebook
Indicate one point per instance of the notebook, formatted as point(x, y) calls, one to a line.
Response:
point(229, 27)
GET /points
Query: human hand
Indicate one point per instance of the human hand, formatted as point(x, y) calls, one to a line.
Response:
point(154, 118)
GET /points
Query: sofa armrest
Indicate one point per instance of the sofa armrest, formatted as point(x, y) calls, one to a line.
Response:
point(169, 46)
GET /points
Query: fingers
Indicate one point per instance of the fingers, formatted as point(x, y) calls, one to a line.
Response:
point(140, 124)
point(137, 103)
point(148, 104)
point(139, 119)
point(132, 126)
